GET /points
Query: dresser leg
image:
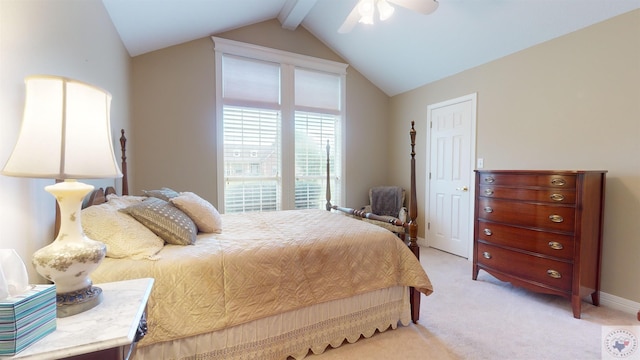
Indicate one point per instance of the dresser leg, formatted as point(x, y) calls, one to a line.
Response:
point(595, 298)
point(474, 274)
point(576, 305)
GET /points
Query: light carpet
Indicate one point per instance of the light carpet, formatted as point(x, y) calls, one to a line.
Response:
point(486, 319)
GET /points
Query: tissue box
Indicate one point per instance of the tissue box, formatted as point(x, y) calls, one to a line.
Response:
point(27, 318)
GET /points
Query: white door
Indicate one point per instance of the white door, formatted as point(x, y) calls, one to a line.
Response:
point(451, 139)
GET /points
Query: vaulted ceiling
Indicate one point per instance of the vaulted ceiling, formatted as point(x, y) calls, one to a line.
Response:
point(402, 53)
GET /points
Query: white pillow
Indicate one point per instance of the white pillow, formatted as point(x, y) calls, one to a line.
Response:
point(123, 235)
point(121, 202)
point(202, 212)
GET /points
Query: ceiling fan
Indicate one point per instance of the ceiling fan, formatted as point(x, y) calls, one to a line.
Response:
point(365, 10)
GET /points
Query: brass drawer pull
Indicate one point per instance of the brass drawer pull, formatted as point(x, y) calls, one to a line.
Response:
point(558, 182)
point(554, 274)
point(556, 218)
point(486, 255)
point(556, 245)
point(488, 232)
point(557, 197)
point(488, 192)
point(489, 179)
point(488, 209)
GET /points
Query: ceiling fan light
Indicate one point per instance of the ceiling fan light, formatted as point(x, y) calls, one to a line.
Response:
point(367, 20)
point(385, 10)
point(431, 6)
point(366, 9)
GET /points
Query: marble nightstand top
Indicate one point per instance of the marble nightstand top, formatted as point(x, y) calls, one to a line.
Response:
point(111, 324)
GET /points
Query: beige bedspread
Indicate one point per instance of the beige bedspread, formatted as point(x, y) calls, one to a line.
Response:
point(262, 264)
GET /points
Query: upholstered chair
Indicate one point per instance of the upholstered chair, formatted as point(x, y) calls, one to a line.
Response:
point(387, 202)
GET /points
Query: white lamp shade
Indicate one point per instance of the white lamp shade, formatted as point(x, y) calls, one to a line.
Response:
point(65, 132)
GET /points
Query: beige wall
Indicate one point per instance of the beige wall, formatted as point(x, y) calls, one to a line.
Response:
point(573, 102)
point(69, 38)
point(174, 112)
point(570, 103)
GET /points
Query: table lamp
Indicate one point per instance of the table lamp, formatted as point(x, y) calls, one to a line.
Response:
point(66, 135)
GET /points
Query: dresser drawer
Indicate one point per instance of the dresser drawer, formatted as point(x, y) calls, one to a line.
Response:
point(551, 217)
point(536, 241)
point(561, 181)
point(554, 196)
point(556, 274)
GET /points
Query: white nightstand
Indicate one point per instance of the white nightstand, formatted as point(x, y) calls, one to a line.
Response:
point(107, 331)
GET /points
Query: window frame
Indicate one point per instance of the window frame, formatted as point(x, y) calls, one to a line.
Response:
point(288, 62)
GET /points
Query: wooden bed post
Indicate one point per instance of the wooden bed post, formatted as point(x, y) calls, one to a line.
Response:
point(413, 225)
point(328, 194)
point(413, 206)
point(123, 148)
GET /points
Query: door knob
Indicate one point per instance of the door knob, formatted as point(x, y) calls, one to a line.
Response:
point(464, 188)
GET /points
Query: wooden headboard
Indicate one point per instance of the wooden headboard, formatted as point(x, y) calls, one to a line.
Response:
point(99, 196)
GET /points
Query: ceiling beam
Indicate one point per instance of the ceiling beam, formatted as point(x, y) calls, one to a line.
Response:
point(293, 12)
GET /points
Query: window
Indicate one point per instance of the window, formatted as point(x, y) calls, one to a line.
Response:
point(278, 112)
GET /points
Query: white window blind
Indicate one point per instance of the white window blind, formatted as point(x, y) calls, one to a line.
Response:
point(248, 80)
point(251, 159)
point(251, 135)
point(317, 123)
point(278, 112)
point(313, 132)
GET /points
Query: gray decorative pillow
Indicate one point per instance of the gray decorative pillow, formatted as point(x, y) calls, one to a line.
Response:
point(163, 193)
point(165, 220)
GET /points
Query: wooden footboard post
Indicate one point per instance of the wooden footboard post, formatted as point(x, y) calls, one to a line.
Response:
point(413, 225)
point(328, 193)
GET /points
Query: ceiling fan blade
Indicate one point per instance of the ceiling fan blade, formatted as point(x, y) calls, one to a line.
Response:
point(351, 21)
point(425, 7)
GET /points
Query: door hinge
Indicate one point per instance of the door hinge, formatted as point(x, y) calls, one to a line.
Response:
point(428, 226)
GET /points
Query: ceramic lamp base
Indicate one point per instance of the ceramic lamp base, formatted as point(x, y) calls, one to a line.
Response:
point(71, 257)
point(75, 302)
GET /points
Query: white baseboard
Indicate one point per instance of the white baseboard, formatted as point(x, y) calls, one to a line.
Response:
point(606, 300)
point(618, 303)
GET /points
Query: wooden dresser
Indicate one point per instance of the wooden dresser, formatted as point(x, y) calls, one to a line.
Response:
point(541, 230)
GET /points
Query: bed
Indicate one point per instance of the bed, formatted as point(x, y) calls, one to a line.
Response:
point(268, 285)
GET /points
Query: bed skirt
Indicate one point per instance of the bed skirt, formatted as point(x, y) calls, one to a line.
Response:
point(295, 333)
